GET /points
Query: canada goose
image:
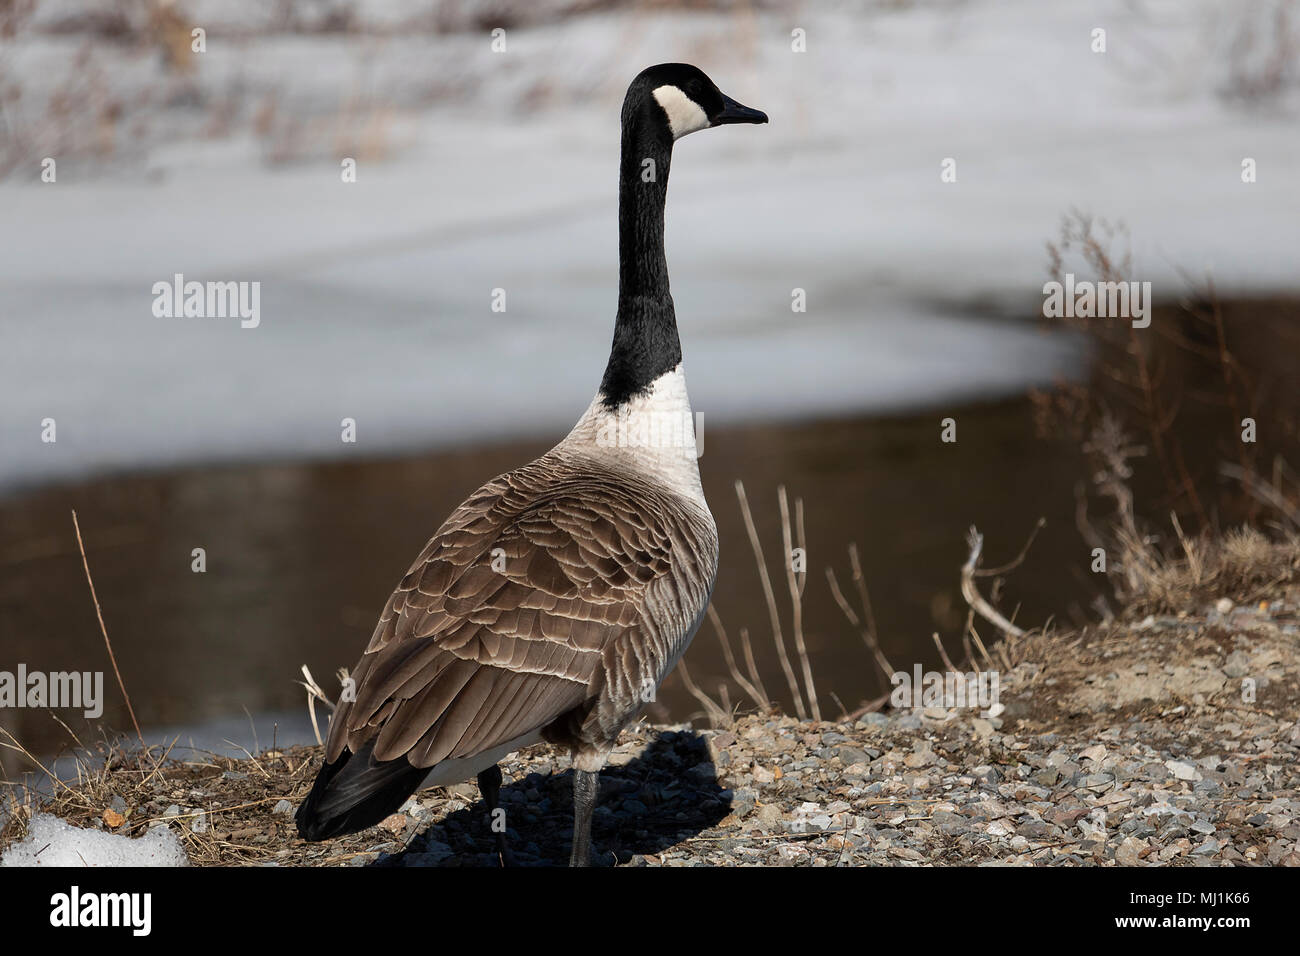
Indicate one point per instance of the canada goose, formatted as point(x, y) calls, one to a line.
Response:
point(557, 597)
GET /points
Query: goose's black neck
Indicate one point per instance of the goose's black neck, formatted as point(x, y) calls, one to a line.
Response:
point(645, 330)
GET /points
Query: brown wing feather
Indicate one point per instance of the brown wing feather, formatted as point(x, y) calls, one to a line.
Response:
point(506, 620)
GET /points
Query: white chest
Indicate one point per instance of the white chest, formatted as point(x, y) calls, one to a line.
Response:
point(652, 434)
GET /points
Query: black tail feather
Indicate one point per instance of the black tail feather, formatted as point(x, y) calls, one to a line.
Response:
point(354, 792)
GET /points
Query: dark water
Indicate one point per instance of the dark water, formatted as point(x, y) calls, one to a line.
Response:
point(300, 559)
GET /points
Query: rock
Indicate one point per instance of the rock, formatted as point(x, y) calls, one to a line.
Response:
point(1182, 770)
point(791, 854)
point(768, 816)
point(1098, 782)
point(820, 822)
point(1037, 830)
point(852, 755)
point(921, 756)
point(283, 808)
point(1238, 664)
point(1127, 853)
point(702, 774)
point(1064, 817)
point(743, 801)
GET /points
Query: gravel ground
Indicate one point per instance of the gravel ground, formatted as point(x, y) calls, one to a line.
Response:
point(1132, 745)
point(1167, 741)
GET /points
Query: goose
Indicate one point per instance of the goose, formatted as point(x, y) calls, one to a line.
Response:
point(557, 597)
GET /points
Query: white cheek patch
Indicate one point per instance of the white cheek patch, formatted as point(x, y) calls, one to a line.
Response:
point(684, 114)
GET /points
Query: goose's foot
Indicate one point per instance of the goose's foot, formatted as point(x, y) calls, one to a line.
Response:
point(489, 784)
point(586, 786)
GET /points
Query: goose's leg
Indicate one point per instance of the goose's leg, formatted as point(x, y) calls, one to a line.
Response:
point(489, 784)
point(586, 785)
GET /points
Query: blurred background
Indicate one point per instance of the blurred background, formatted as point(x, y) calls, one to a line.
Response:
point(485, 142)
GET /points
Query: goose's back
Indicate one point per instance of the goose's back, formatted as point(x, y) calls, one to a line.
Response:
point(555, 598)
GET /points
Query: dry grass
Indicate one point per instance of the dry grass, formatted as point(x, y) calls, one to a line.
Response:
point(1243, 566)
point(234, 795)
point(804, 697)
point(861, 619)
point(1196, 370)
point(1149, 575)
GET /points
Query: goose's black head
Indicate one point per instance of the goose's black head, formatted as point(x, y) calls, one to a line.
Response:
point(674, 99)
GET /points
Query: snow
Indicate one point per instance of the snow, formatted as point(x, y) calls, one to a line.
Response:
point(51, 842)
point(375, 295)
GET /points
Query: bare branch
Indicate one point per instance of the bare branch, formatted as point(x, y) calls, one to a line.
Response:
point(972, 594)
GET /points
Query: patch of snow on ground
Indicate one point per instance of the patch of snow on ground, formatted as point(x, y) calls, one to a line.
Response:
point(51, 842)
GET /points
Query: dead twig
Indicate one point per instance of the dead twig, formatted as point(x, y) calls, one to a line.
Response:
point(943, 654)
point(1018, 560)
point(972, 595)
point(868, 636)
point(104, 630)
point(754, 689)
point(717, 715)
point(796, 602)
point(770, 598)
point(314, 693)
